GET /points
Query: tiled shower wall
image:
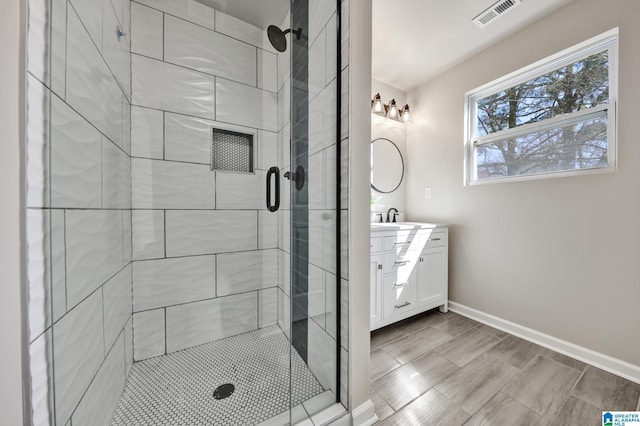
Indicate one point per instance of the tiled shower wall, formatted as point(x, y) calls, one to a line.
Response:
point(204, 246)
point(78, 209)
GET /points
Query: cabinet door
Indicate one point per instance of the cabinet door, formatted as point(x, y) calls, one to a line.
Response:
point(376, 291)
point(432, 277)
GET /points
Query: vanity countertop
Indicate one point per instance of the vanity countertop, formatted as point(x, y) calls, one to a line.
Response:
point(405, 226)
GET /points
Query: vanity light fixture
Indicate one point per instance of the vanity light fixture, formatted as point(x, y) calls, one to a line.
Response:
point(389, 110)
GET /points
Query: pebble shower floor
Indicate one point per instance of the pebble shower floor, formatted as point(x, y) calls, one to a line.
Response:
point(177, 389)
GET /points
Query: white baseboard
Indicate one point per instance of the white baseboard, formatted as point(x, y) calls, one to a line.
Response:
point(364, 414)
point(604, 362)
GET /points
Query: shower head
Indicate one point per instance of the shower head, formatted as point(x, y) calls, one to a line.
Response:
point(278, 39)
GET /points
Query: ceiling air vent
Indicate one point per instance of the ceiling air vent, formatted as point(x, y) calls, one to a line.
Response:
point(494, 12)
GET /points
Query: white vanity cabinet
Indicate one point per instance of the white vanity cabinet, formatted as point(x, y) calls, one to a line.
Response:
point(408, 270)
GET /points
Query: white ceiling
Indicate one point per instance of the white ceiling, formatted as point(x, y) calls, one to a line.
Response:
point(415, 40)
point(260, 13)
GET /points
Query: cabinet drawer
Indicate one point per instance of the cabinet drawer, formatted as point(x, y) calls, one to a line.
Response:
point(400, 263)
point(399, 296)
point(376, 244)
point(401, 242)
point(434, 239)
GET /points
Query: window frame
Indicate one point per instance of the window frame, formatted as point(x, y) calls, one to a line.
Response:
point(607, 41)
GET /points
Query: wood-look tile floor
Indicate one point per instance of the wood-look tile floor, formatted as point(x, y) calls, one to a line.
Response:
point(445, 369)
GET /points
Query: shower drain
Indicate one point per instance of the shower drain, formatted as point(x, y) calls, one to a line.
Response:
point(224, 391)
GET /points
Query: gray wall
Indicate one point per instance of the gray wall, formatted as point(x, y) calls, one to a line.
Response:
point(557, 255)
point(395, 131)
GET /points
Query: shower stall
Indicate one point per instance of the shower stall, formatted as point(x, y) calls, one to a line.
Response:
point(185, 212)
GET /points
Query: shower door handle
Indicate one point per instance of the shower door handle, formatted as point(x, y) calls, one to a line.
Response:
point(276, 205)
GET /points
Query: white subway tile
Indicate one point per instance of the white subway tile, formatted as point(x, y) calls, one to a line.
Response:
point(322, 247)
point(41, 369)
point(315, 180)
point(284, 313)
point(246, 271)
point(187, 138)
point(316, 295)
point(126, 125)
point(58, 47)
point(39, 42)
point(331, 61)
point(284, 146)
point(128, 346)
point(172, 88)
point(238, 29)
point(267, 149)
point(186, 9)
point(322, 356)
point(169, 185)
point(76, 176)
point(146, 31)
point(98, 404)
point(284, 104)
point(344, 105)
point(38, 270)
point(192, 232)
point(284, 227)
point(268, 307)
point(201, 322)
point(317, 65)
point(344, 243)
point(116, 177)
point(164, 282)
point(117, 294)
point(38, 139)
point(116, 50)
point(148, 234)
point(322, 119)
point(319, 13)
point(344, 174)
point(284, 271)
point(94, 250)
point(267, 71)
point(329, 177)
point(267, 229)
point(344, 376)
point(58, 265)
point(127, 236)
point(148, 334)
point(284, 67)
point(241, 191)
point(77, 354)
point(147, 132)
point(345, 28)
point(89, 79)
point(247, 106)
point(118, 7)
point(90, 13)
point(207, 51)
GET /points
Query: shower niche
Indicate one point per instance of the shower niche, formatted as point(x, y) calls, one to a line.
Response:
point(157, 273)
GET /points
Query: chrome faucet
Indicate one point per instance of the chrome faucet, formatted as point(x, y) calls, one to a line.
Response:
point(394, 215)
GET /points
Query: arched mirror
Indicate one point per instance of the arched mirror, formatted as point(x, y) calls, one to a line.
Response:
point(387, 166)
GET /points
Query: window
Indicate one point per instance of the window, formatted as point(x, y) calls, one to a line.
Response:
point(553, 118)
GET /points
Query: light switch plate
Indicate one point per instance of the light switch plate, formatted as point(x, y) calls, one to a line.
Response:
point(427, 193)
